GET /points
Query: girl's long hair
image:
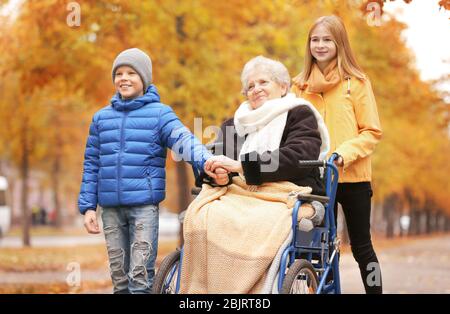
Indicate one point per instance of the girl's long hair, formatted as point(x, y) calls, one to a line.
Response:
point(346, 61)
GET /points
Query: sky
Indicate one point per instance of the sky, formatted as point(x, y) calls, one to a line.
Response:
point(428, 35)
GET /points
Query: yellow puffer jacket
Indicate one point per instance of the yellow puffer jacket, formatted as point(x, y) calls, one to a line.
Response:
point(350, 113)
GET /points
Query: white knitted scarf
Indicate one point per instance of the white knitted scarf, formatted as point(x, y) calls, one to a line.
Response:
point(264, 125)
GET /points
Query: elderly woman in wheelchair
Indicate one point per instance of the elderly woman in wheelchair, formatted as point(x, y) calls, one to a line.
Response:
point(237, 228)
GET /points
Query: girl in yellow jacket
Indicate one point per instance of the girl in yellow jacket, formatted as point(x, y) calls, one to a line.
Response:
point(335, 84)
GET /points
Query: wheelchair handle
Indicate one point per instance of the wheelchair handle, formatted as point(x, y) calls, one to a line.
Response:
point(317, 163)
point(312, 163)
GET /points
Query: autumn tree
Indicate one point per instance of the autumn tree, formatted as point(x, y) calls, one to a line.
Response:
point(56, 75)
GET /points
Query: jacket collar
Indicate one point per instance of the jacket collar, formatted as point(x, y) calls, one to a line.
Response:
point(151, 95)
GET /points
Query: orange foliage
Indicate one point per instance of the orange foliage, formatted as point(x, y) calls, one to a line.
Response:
point(55, 76)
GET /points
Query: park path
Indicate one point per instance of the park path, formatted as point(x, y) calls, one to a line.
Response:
point(416, 266)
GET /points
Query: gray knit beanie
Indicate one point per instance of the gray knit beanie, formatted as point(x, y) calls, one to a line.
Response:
point(139, 61)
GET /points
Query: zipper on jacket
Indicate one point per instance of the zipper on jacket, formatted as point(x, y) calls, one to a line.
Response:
point(348, 92)
point(347, 95)
point(119, 167)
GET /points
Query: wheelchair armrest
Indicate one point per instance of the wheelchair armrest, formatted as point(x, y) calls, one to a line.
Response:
point(195, 191)
point(312, 197)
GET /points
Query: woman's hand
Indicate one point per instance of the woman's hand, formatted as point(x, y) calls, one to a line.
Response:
point(223, 162)
point(218, 174)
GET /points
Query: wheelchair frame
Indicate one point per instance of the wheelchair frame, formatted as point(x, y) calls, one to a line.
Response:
point(316, 244)
point(320, 240)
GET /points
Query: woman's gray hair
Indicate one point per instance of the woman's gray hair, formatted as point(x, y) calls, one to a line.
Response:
point(275, 69)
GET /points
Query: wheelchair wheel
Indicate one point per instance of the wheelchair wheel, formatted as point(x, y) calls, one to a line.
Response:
point(166, 278)
point(301, 278)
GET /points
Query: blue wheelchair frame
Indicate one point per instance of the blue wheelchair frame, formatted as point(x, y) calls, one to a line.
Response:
point(320, 240)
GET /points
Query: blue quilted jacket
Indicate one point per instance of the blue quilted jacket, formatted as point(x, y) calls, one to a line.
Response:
point(125, 157)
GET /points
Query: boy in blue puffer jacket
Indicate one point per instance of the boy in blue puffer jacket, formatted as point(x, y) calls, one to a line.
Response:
point(124, 170)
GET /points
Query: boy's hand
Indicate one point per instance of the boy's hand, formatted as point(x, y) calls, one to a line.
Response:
point(90, 222)
point(222, 162)
point(221, 176)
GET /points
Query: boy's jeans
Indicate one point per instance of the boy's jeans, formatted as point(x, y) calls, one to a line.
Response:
point(131, 235)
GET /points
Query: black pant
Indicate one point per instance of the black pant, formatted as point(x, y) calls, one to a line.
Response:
point(355, 201)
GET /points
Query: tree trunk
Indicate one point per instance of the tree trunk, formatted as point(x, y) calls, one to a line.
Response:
point(184, 196)
point(55, 187)
point(417, 219)
point(429, 215)
point(438, 221)
point(389, 208)
point(410, 205)
point(412, 222)
point(420, 228)
point(403, 212)
point(24, 173)
point(419, 222)
point(441, 222)
point(183, 193)
point(423, 221)
point(427, 221)
point(434, 222)
point(12, 203)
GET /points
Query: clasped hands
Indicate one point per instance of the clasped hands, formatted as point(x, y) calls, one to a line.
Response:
point(218, 168)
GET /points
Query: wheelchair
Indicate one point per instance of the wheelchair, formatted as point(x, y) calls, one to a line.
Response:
point(310, 263)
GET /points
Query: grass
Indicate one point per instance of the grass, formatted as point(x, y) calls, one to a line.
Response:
point(48, 231)
point(51, 259)
point(94, 257)
point(91, 257)
point(381, 243)
point(57, 258)
point(55, 287)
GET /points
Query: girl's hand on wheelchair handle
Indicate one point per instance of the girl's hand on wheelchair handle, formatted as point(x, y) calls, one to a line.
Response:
point(339, 161)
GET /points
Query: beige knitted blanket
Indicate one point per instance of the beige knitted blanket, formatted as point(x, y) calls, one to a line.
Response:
point(232, 235)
